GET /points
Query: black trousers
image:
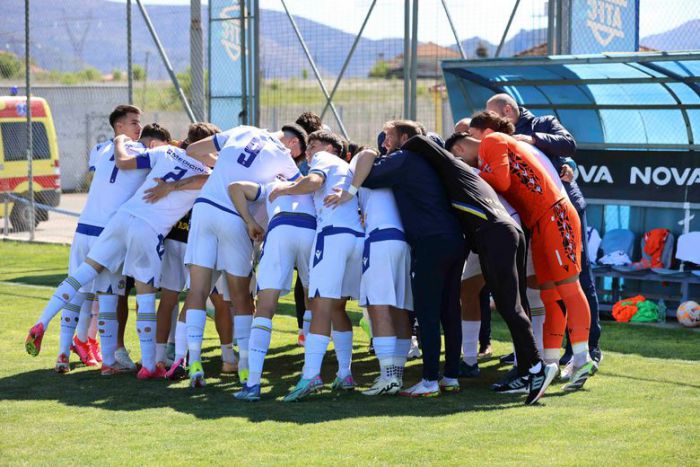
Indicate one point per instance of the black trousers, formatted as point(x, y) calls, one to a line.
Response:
point(485, 306)
point(502, 254)
point(437, 270)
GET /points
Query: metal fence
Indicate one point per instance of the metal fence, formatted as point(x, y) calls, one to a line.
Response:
point(353, 52)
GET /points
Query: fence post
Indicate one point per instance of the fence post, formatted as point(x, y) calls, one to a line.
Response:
point(129, 57)
point(30, 137)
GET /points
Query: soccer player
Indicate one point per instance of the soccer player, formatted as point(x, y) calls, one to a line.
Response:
point(111, 186)
point(218, 237)
point(521, 178)
point(335, 263)
point(287, 244)
point(385, 288)
point(437, 249)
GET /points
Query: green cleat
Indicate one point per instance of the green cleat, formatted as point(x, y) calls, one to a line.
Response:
point(196, 375)
point(304, 388)
point(343, 384)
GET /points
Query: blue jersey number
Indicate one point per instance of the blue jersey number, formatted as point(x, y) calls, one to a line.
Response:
point(175, 175)
point(251, 151)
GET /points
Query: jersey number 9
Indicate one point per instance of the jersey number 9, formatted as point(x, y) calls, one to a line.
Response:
point(250, 152)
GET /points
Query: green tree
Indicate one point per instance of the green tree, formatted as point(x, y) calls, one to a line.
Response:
point(10, 66)
point(117, 75)
point(304, 73)
point(138, 72)
point(481, 50)
point(90, 74)
point(380, 69)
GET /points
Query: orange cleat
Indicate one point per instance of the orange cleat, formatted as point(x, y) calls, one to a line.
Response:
point(62, 365)
point(83, 351)
point(32, 343)
point(95, 349)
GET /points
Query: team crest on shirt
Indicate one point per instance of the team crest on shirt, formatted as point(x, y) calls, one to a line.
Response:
point(318, 254)
point(524, 172)
point(568, 237)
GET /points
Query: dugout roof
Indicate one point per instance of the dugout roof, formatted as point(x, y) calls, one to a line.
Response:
point(614, 101)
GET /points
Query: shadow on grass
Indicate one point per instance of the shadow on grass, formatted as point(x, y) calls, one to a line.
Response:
point(49, 280)
point(83, 388)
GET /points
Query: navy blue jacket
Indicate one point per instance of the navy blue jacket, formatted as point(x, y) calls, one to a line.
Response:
point(422, 201)
point(556, 142)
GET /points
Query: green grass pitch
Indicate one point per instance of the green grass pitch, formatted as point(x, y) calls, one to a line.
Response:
point(642, 408)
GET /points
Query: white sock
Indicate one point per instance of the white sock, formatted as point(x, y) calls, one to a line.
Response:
point(108, 327)
point(85, 320)
point(307, 322)
point(260, 335)
point(581, 355)
point(470, 341)
point(227, 354)
point(196, 319)
point(537, 314)
point(314, 351)
point(65, 292)
point(241, 327)
point(342, 341)
point(384, 350)
point(401, 355)
point(161, 350)
point(146, 329)
point(69, 321)
point(551, 356)
point(180, 340)
point(173, 323)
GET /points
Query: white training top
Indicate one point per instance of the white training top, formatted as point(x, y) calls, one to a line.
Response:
point(336, 174)
point(292, 203)
point(247, 154)
point(169, 164)
point(547, 164)
point(110, 187)
point(378, 206)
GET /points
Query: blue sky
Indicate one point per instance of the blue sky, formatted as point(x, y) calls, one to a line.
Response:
point(469, 15)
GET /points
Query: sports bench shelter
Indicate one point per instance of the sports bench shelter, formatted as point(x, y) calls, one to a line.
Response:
point(636, 121)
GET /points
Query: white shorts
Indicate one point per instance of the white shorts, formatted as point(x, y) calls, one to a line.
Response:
point(219, 240)
point(286, 246)
point(173, 273)
point(79, 250)
point(472, 266)
point(336, 266)
point(386, 279)
point(130, 246)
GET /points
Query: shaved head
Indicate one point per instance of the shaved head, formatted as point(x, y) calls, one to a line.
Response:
point(462, 126)
point(505, 106)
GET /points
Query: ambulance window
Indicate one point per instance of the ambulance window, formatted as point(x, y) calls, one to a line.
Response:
point(14, 138)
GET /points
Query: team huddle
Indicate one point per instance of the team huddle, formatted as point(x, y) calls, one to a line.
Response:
point(413, 230)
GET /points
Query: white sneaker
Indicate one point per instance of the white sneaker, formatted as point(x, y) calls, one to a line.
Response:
point(449, 384)
point(423, 388)
point(414, 351)
point(568, 370)
point(388, 386)
point(121, 355)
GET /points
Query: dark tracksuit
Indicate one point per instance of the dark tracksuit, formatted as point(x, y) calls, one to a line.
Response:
point(437, 251)
point(558, 145)
point(493, 234)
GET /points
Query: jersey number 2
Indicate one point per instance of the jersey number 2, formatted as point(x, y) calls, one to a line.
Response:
point(250, 152)
point(175, 175)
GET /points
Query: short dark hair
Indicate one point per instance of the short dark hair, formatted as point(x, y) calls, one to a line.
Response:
point(310, 122)
point(155, 131)
point(298, 131)
point(406, 127)
point(454, 138)
point(121, 111)
point(326, 137)
point(491, 120)
point(198, 131)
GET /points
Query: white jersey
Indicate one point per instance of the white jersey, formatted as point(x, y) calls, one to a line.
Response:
point(547, 164)
point(378, 207)
point(292, 203)
point(169, 164)
point(336, 174)
point(110, 187)
point(246, 154)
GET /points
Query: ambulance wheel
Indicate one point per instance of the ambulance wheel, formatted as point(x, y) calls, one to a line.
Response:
point(20, 217)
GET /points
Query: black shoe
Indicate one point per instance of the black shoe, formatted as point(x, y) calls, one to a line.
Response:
point(597, 357)
point(508, 359)
point(517, 385)
point(512, 373)
point(538, 382)
point(468, 371)
point(565, 359)
point(371, 347)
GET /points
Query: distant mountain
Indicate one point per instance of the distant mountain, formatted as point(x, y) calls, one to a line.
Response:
point(69, 35)
point(684, 37)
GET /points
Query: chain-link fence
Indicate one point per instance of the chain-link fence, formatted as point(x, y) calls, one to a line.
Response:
point(79, 64)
